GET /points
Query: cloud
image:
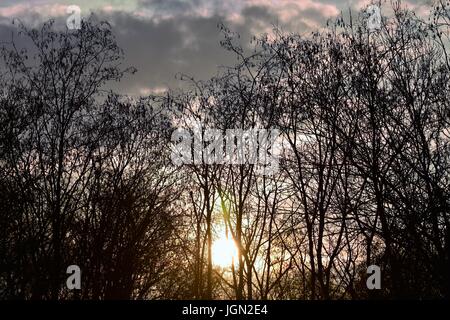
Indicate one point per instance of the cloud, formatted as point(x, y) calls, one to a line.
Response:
point(164, 37)
point(161, 49)
point(26, 9)
point(188, 43)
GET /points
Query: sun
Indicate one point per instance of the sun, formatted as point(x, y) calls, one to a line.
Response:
point(224, 252)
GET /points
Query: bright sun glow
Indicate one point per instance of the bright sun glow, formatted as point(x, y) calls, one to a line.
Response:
point(224, 252)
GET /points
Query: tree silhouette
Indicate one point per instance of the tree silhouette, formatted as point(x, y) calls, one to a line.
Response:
point(86, 175)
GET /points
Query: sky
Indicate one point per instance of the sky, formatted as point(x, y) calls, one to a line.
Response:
point(162, 38)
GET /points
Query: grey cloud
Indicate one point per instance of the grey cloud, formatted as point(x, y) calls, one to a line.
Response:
point(185, 44)
point(161, 50)
point(180, 43)
point(169, 6)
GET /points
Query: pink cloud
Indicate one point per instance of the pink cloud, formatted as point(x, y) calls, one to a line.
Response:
point(327, 10)
point(20, 10)
point(14, 10)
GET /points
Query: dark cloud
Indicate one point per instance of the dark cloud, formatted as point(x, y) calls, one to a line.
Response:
point(161, 50)
point(184, 44)
point(172, 7)
point(182, 36)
